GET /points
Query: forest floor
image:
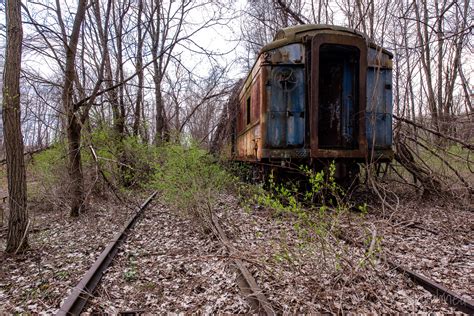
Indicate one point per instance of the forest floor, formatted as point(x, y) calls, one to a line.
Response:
point(62, 249)
point(168, 264)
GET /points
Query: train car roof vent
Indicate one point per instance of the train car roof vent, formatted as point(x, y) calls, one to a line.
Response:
point(279, 35)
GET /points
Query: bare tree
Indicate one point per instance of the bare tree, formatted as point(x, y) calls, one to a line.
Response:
point(18, 220)
point(139, 69)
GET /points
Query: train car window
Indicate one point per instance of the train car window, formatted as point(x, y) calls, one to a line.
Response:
point(286, 79)
point(248, 111)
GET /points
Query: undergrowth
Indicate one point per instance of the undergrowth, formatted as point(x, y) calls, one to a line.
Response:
point(108, 163)
point(189, 180)
point(316, 215)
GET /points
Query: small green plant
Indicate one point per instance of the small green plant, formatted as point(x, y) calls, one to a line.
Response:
point(61, 275)
point(374, 248)
point(363, 209)
point(48, 166)
point(315, 213)
point(131, 272)
point(312, 218)
point(283, 256)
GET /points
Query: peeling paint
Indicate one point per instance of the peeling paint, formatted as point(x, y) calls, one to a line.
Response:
point(287, 113)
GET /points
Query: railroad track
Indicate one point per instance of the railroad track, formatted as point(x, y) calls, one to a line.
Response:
point(259, 304)
point(454, 299)
point(76, 301)
point(246, 282)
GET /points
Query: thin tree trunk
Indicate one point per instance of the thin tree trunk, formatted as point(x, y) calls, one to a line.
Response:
point(139, 70)
point(424, 39)
point(74, 127)
point(442, 116)
point(17, 236)
point(109, 78)
point(119, 124)
point(157, 76)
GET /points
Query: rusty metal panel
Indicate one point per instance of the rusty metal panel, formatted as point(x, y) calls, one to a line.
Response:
point(292, 153)
point(256, 99)
point(378, 58)
point(263, 110)
point(251, 77)
point(249, 101)
point(248, 143)
point(240, 116)
point(286, 108)
point(276, 129)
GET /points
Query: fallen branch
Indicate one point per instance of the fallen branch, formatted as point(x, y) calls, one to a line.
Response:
point(102, 173)
point(31, 152)
point(432, 131)
point(446, 163)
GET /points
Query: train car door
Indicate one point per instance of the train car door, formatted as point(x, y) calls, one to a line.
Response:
point(286, 110)
point(338, 97)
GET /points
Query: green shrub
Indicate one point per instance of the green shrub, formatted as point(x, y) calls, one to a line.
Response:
point(189, 180)
point(49, 167)
point(126, 161)
point(316, 209)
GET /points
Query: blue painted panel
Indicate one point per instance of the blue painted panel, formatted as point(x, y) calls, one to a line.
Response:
point(379, 108)
point(347, 124)
point(288, 54)
point(276, 129)
point(286, 115)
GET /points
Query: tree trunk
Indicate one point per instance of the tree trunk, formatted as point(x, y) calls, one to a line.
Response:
point(424, 38)
point(118, 18)
point(139, 70)
point(74, 126)
point(76, 176)
point(17, 237)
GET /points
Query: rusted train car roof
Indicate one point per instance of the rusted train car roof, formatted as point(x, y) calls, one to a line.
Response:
point(295, 34)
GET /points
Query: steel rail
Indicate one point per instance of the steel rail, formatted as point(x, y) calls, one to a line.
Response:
point(246, 282)
point(453, 299)
point(77, 299)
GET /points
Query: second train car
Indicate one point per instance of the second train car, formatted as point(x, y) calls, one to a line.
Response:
point(317, 93)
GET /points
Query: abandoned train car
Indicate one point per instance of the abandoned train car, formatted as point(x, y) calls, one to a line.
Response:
point(315, 94)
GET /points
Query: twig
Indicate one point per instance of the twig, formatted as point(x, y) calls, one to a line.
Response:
point(31, 152)
point(109, 184)
point(468, 187)
point(432, 131)
point(23, 238)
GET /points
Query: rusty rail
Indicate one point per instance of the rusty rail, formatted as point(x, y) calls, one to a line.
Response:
point(76, 301)
point(246, 282)
point(454, 299)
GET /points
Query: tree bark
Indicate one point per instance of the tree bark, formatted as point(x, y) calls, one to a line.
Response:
point(74, 126)
point(17, 236)
point(139, 70)
point(424, 38)
point(119, 112)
